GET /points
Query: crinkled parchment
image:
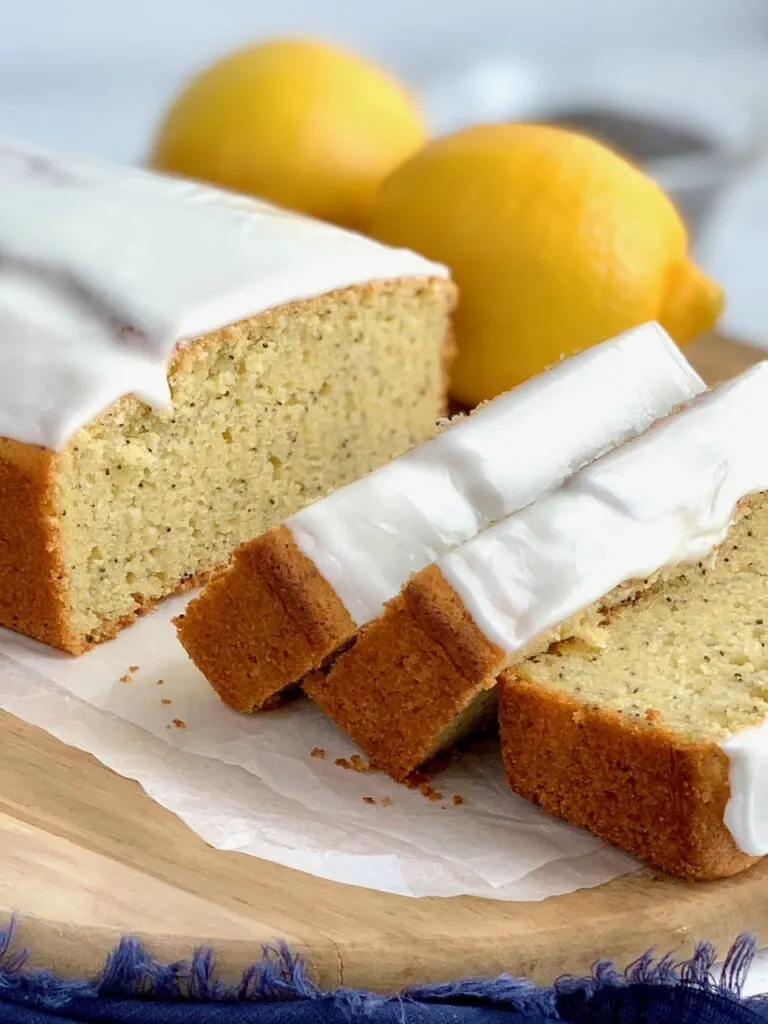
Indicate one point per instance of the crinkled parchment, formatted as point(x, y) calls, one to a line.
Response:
point(250, 783)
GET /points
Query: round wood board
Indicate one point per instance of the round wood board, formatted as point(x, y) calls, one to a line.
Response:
point(86, 856)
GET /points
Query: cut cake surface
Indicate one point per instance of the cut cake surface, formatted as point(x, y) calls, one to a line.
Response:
point(293, 598)
point(187, 372)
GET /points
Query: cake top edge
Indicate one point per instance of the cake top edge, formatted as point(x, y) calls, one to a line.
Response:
point(105, 269)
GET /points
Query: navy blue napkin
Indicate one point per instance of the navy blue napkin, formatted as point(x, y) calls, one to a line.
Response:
point(134, 988)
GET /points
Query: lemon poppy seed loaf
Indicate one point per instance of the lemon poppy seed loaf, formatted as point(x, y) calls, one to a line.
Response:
point(180, 369)
point(294, 595)
point(424, 672)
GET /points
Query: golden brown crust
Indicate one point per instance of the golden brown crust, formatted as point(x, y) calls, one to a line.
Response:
point(441, 614)
point(32, 584)
point(632, 783)
point(409, 675)
point(264, 624)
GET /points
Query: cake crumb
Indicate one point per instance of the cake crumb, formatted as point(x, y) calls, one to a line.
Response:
point(179, 723)
point(355, 763)
point(160, 682)
point(368, 800)
point(317, 752)
point(386, 801)
point(431, 794)
point(166, 700)
point(127, 678)
point(457, 800)
point(133, 668)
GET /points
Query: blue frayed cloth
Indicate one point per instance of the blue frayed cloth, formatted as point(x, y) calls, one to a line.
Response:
point(134, 988)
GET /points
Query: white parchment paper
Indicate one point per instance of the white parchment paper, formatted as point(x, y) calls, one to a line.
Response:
point(250, 783)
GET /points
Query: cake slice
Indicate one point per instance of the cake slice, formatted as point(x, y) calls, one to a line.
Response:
point(180, 369)
point(424, 672)
point(296, 594)
point(657, 742)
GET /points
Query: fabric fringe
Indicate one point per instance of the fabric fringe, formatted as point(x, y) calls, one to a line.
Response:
point(130, 972)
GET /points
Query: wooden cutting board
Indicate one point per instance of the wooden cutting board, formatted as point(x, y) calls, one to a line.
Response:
point(85, 855)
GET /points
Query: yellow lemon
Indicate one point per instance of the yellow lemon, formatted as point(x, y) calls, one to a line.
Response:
point(298, 122)
point(556, 243)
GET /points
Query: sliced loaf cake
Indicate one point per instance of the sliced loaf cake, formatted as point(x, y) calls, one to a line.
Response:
point(180, 369)
point(293, 596)
point(424, 672)
point(657, 740)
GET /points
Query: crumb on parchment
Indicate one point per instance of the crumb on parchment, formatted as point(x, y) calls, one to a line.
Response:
point(417, 780)
point(179, 723)
point(166, 700)
point(420, 780)
point(318, 752)
point(355, 763)
point(133, 668)
point(127, 678)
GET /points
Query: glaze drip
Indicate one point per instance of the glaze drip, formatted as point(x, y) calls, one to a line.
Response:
point(104, 270)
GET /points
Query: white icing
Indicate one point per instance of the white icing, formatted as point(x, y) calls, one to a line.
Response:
point(664, 498)
point(746, 812)
point(367, 538)
point(103, 270)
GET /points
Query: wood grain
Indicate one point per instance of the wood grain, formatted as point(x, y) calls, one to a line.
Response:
point(86, 856)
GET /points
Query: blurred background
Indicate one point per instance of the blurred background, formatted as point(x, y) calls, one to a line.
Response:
point(680, 85)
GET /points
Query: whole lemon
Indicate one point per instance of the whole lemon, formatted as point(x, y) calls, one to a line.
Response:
point(297, 122)
point(556, 243)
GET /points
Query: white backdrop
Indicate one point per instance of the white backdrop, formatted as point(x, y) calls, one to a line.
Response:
point(407, 31)
point(91, 73)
